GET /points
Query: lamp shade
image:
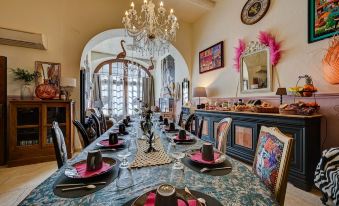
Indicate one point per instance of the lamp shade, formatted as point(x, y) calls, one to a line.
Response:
point(68, 82)
point(199, 92)
point(281, 91)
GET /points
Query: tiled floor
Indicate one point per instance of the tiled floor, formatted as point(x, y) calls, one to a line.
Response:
point(17, 182)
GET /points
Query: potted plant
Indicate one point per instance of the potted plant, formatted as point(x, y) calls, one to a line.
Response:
point(27, 77)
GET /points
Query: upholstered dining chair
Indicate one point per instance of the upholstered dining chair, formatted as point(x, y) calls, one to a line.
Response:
point(222, 131)
point(272, 160)
point(84, 138)
point(59, 144)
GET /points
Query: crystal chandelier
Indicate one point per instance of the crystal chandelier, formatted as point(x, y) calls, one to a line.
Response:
point(152, 30)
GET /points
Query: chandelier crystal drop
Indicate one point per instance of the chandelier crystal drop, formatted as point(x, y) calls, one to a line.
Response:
point(152, 30)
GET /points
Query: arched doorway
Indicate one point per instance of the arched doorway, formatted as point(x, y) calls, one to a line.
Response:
point(108, 44)
point(121, 84)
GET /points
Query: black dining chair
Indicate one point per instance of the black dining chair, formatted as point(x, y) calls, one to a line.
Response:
point(84, 138)
point(201, 125)
point(59, 144)
point(189, 121)
point(180, 119)
point(97, 123)
point(103, 121)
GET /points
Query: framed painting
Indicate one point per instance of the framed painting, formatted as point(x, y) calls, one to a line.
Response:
point(323, 19)
point(211, 58)
point(50, 73)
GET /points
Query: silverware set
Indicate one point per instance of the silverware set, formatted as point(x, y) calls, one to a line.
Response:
point(202, 201)
point(205, 169)
point(79, 186)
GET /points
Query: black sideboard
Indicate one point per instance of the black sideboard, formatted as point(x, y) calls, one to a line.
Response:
point(243, 136)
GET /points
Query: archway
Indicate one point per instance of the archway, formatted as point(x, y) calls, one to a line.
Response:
point(108, 41)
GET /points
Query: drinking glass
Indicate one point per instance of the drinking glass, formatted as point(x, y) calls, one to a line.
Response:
point(178, 156)
point(178, 170)
point(177, 177)
point(125, 178)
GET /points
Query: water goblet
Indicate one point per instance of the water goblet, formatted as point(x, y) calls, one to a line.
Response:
point(125, 178)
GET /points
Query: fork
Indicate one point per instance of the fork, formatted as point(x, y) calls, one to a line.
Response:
point(205, 169)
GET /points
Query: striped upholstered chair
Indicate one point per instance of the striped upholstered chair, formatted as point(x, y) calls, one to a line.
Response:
point(222, 132)
point(327, 175)
point(272, 160)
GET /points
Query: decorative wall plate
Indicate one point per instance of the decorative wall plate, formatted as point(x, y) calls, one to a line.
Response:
point(254, 11)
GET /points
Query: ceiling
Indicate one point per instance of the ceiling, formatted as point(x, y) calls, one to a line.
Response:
point(186, 10)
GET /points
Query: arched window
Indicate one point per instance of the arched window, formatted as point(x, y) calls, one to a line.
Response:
point(121, 86)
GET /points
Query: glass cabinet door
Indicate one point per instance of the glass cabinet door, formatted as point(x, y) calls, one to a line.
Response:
point(27, 125)
point(54, 113)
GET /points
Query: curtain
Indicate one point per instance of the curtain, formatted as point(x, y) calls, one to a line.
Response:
point(148, 96)
point(97, 99)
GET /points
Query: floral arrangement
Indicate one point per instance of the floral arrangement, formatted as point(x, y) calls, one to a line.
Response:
point(266, 39)
point(270, 41)
point(238, 52)
point(26, 76)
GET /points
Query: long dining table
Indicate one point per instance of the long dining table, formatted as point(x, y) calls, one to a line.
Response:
point(239, 187)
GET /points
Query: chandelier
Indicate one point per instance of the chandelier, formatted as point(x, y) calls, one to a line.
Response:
point(152, 30)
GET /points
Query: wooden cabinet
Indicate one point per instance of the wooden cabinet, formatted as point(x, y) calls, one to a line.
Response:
point(30, 138)
point(243, 137)
point(3, 107)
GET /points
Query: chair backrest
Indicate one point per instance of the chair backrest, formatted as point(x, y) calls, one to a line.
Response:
point(188, 123)
point(59, 144)
point(97, 124)
point(222, 132)
point(103, 121)
point(272, 160)
point(84, 139)
point(180, 118)
point(201, 126)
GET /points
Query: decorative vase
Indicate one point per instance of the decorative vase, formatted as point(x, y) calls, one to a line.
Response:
point(26, 91)
point(46, 91)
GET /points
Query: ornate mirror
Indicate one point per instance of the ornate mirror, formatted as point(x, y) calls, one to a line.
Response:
point(255, 69)
point(185, 91)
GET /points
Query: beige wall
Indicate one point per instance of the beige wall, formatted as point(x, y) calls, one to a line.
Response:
point(286, 19)
point(68, 25)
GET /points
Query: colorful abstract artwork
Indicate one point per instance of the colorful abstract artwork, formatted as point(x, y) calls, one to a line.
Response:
point(267, 163)
point(323, 19)
point(211, 58)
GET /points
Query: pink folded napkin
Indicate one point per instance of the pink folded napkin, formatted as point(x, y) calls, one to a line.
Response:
point(106, 143)
point(197, 156)
point(81, 169)
point(150, 201)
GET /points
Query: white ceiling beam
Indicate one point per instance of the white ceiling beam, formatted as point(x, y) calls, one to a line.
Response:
point(206, 4)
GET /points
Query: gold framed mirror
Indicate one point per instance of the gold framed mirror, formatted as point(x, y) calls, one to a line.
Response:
point(255, 69)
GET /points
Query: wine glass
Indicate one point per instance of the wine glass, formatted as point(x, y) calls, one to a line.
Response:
point(178, 156)
point(124, 179)
point(178, 170)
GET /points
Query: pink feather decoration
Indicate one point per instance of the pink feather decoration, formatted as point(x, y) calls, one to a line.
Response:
point(268, 40)
point(238, 52)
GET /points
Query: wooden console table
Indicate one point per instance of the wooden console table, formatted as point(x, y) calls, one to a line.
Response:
point(243, 136)
point(30, 139)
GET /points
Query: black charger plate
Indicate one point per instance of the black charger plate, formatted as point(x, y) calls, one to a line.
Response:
point(139, 201)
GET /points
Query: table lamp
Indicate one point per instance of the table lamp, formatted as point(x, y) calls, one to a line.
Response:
point(281, 91)
point(200, 92)
point(67, 85)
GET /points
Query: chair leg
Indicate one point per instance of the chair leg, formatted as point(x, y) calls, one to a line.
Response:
point(324, 198)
